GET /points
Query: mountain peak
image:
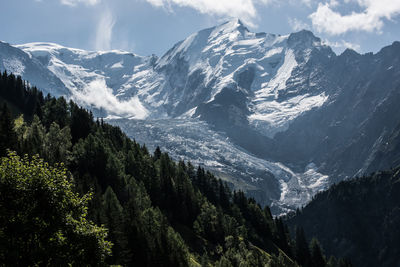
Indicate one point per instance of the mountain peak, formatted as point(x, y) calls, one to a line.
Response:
point(235, 21)
point(303, 35)
point(303, 38)
point(234, 24)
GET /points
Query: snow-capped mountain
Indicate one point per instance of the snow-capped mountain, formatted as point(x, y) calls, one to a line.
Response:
point(21, 63)
point(94, 79)
point(277, 116)
point(265, 73)
point(196, 71)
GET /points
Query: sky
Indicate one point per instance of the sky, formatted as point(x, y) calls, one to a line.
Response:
point(148, 27)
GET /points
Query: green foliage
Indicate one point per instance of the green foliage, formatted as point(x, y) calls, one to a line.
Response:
point(213, 224)
point(240, 253)
point(28, 100)
point(42, 220)
point(81, 122)
point(8, 137)
point(57, 143)
point(32, 140)
point(55, 111)
point(157, 153)
point(151, 241)
point(112, 216)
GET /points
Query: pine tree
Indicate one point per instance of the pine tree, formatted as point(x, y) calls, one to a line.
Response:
point(34, 138)
point(57, 143)
point(112, 218)
point(8, 137)
point(282, 236)
point(302, 252)
point(317, 258)
point(157, 153)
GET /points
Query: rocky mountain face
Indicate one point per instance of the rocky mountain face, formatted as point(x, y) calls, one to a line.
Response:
point(357, 131)
point(281, 117)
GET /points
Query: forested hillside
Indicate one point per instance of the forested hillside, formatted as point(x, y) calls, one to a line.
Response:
point(156, 212)
point(358, 219)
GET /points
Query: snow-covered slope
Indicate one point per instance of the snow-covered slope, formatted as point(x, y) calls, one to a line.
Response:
point(198, 69)
point(94, 79)
point(277, 116)
point(18, 62)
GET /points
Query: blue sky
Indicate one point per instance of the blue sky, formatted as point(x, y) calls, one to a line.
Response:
point(153, 26)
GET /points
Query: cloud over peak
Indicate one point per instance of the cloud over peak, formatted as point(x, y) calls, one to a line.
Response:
point(104, 31)
point(244, 9)
point(369, 19)
point(76, 2)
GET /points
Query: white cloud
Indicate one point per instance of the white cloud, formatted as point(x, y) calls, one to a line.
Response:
point(104, 31)
point(298, 25)
point(244, 9)
point(341, 45)
point(334, 3)
point(157, 3)
point(76, 2)
point(99, 95)
point(307, 2)
point(370, 19)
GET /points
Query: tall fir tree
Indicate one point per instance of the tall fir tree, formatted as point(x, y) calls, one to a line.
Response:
point(302, 252)
point(8, 137)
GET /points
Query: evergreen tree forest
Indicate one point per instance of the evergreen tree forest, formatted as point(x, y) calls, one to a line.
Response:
point(76, 191)
point(361, 219)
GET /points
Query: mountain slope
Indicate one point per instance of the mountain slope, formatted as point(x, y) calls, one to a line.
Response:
point(354, 132)
point(18, 62)
point(356, 218)
point(94, 79)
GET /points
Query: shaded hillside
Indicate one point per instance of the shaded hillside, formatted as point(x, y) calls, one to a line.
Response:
point(356, 132)
point(358, 219)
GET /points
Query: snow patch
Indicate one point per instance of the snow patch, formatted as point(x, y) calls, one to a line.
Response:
point(14, 65)
point(300, 189)
point(271, 117)
point(118, 65)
